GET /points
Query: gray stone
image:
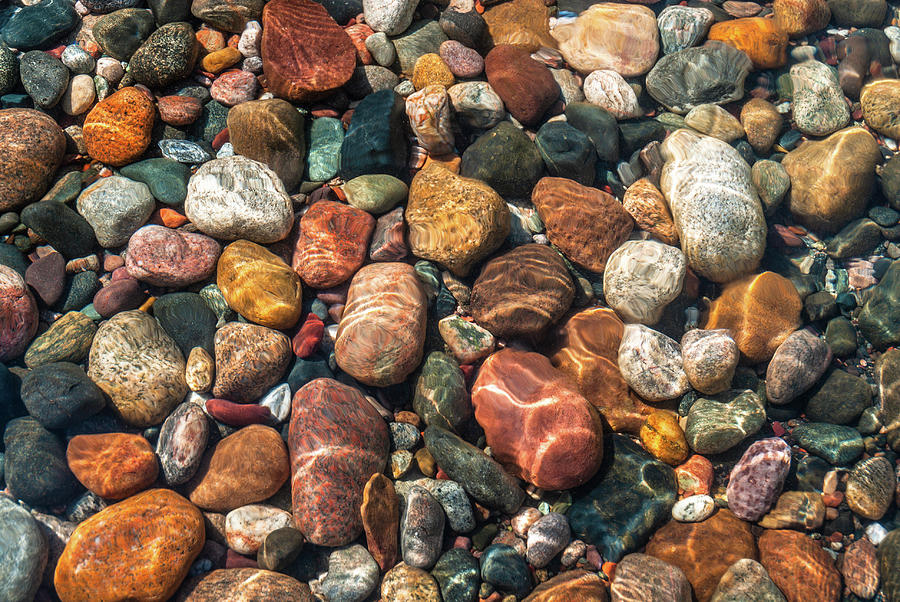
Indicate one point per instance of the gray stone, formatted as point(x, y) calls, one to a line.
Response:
point(23, 553)
point(421, 529)
point(115, 207)
point(352, 575)
point(818, 101)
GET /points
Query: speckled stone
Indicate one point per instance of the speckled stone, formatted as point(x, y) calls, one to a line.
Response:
point(757, 478)
point(818, 102)
point(244, 584)
point(647, 206)
point(25, 551)
point(650, 362)
point(35, 469)
point(139, 366)
point(643, 577)
point(117, 131)
point(798, 364)
point(166, 57)
point(31, 149)
point(746, 579)
point(440, 396)
point(718, 424)
point(250, 359)
point(404, 582)
point(19, 315)
point(67, 340)
point(171, 258)
point(762, 123)
point(504, 158)
point(681, 27)
point(709, 358)
point(327, 489)
point(799, 566)
point(112, 465)
point(115, 207)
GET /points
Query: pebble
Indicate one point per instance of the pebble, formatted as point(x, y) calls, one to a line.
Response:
point(547, 537)
point(421, 529)
point(247, 527)
point(643, 577)
point(709, 359)
point(651, 363)
point(352, 574)
point(117, 130)
point(757, 478)
point(693, 509)
point(503, 568)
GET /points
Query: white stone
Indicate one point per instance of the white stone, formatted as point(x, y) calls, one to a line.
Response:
point(115, 207)
point(681, 27)
point(248, 45)
point(641, 278)
point(609, 90)
point(650, 362)
point(693, 509)
point(390, 16)
point(246, 527)
point(523, 520)
point(709, 358)
point(79, 95)
point(876, 533)
point(110, 69)
point(352, 575)
point(236, 197)
point(278, 400)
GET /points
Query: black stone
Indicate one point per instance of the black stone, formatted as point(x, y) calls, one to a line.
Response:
point(342, 10)
point(188, 320)
point(376, 141)
point(121, 33)
point(467, 28)
point(502, 567)
point(820, 306)
point(599, 125)
point(505, 159)
point(80, 290)
point(10, 401)
point(44, 77)
point(635, 135)
point(458, 576)
point(63, 228)
point(60, 394)
point(879, 321)
point(855, 239)
point(12, 258)
point(35, 464)
point(839, 398)
point(567, 152)
point(9, 69)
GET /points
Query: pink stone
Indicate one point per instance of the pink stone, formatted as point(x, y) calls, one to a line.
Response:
point(307, 339)
point(118, 296)
point(462, 60)
point(337, 441)
point(18, 314)
point(332, 243)
point(165, 257)
point(796, 366)
point(234, 87)
point(238, 414)
point(756, 480)
point(537, 423)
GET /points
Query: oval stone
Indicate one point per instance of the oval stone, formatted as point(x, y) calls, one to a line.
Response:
point(112, 465)
point(271, 132)
point(18, 314)
point(757, 478)
point(23, 550)
point(332, 243)
point(117, 130)
point(247, 527)
point(250, 359)
point(67, 340)
point(60, 394)
point(650, 362)
point(181, 443)
point(165, 257)
point(641, 278)
point(31, 148)
point(797, 365)
point(643, 577)
point(799, 566)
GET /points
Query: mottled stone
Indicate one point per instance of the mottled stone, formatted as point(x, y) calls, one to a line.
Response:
point(681, 27)
point(115, 207)
point(797, 364)
point(762, 124)
point(746, 579)
point(504, 158)
point(718, 424)
point(24, 551)
point(31, 149)
point(879, 100)
point(650, 362)
point(576, 584)
point(757, 478)
point(376, 140)
point(870, 487)
point(838, 445)
point(714, 121)
point(663, 438)
point(421, 529)
point(440, 396)
point(647, 206)
point(800, 568)
point(165, 257)
point(860, 568)
point(526, 86)
point(609, 90)
point(332, 243)
point(641, 277)
point(67, 340)
point(795, 510)
point(520, 22)
point(244, 584)
point(380, 512)
point(327, 489)
point(709, 358)
point(878, 320)
point(112, 465)
point(250, 359)
point(818, 106)
point(271, 132)
point(166, 57)
point(643, 577)
point(404, 582)
point(476, 104)
point(246, 527)
point(375, 193)
point(19, 315)
point(182, 442)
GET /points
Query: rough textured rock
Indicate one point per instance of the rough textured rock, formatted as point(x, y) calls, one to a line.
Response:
point(332, 243)
point(520, 22)
point(429, 116)
point(681, 27)
point(166, 57)
point(648, 207)
point(746, 579)
point(641, 278)
point(800, 17)
point(757, 478)
point(879, 100)
point(818, 106)
point(250, 359)
point(577, 584)
point(709, 358)
point(31, 148)
point(870, 487)
point(800, 568)
point(327, 488)
point(650, 362)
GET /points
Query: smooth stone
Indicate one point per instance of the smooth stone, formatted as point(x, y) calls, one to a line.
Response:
point(32, 148)
point(709, 358)
point(526, 86)
point(245, 583)
point(566, 152)
point(860, 568)
point(452, 498)
point(795, 510)
point(121, 33)
point(247, 527)
point(650, 212)
point(641, 277)
point(878, 99)
point(170, 258)
point(458, 575)
point(352, 575)
point(772, 182)
point(327, 490)
point(381, 49)
point(693, 509)
point(422, 37)
point(839, 398)
point(380, 512)
point(798, 18)
point(112, 465)
point(231, 15)
point(375, 141)
point(115, 207)
point(609, 90)
point(430, 69)
point(60, 394)
point(429, 117)
point(871, 485)
point(889, 563)
point(651, 364)
point(757, 478)
point(272, 133)
point(250, 359)
point(388, 239)
point(404, 582)
point(662, 436)
point(746, 579)
point(24, 551)
point(714, 121)
point(44, 78)
point(440, 396)
point(35, 469)
point(138, 366)
point(797, 365)
point(504, 158)
point(878, 321)
point(118, 296)
point(764, 43)
point(642, 577)
point(502, 567)
point(547, 537)
point(19, 315)
point(79, 291)
point(67, 340)
point(857, 13)
point(37, 24)
point(323, 161)
point(188, 319)
point(476, 104)
point(783, 553)
point(523, 23)
point(235, 197)
point(375, 193)
point(167, 179)
point(421, 529)
point(182, 443)
point(715, 207)
point(332, 243)
point(279, 549)
point(467, 342)
point(887, 377)
point(838, 445)
point(464, 25)
point(118, 129)
point(166, 56)
point(715, 425)
point(681, 27)
point(841, 337)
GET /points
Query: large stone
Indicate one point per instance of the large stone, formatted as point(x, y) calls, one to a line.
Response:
point(34, 465)
point(171, 258)
point(647, 206)
point(337, 441)
point(796, 366)
point(879, 321)
point(67, 340)
point(60, 394)
point(376, 140)
point(35, 25)
point(139, 366)
point(798, 18)
point(166, 57)
point(889, 564)
point(504, 158)
point(117, 130)
point(643, 577)
point(522, 292)
point(440, 397)
point(641, 278)
point(122, 32)
point(526, 86)
point(524, 387)
point(838, 445)
point(332, 243)
point(717, 213)
point(760, 311)
point(31, 148)
point(380, 510)
point(271, 132)
point(586, 224)
point(799, 566)
point(577, 584)
point(760, 39)
point(871, 486)
point(112, 465)
point(259, 285)
point(714, 121)
point(244, 584)
point(250, 359)
point(138, 549)
point(887, 377)
point(23, 552)
point(115, 207)
point(62, 227)
point(709, 358)
point(818, 106)
point(681, 27)
point(832, 179)
point(381, 334)
point(19, 315)
point(520, 22)
point(621, 38)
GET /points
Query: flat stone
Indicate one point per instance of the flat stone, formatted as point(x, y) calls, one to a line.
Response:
point(250, 359)
point(643, 577)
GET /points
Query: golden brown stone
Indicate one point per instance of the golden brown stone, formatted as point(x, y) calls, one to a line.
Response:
point(112, 465)
point(800, 17)
point(381, 520)
point(430, 70)
point(663, 437)
point(521, 23)
point(801, 569)
point(795, 510)
point(648, 208)
point(760, 39)
point(31, 148)
point(880, 102)
point(760, 311)
point(244, 585)
point(570, 586)
point(259, 285)
point(762, 124)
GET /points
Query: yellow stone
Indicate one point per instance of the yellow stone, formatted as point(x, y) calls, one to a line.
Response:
point(431, 70)
point(200, 370)
point(522, 23)
point(220, 60)
point(259, 285)
point(880, 102)
point(662, 436)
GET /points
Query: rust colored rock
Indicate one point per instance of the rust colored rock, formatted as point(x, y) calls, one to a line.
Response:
point(577, 584)
point(18, 314)
point(112, 465)
point(244, 584)
point(245, 467)
point(381, 334)
point(760, 311)
point(526, 86)
point(799, 566)
point(586, 348)
point(305, 53)
point(380, 512)
point(337, 441)
point(523, 23)
point(117, 130)
point(179, 110)
point(647, 207)
point(31, 148)
point(138, 549)
point(238, 414)
point(760, 39)
point(557, 442)
point(332, 243)
point(704, 550)
point(801, 17)
point(522, 292)
point(585, 223)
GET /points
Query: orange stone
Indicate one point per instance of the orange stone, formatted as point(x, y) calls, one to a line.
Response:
point(801, 17)
point(117, 130)
point(220, 60)
point(663, 437)
point(760, 39)
point(522, 23)
point(704, 550)
point(381, 520)
point(112, 465)
point(799, 566)
point(138, 549)
point(760, 311)
point(648, 208)
point(586, 348)
point(577, 584)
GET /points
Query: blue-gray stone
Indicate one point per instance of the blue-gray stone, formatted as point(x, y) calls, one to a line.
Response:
point(326, 135)
point(458, 576)
point(838, 445)
point(502, 567)
point(37, 25)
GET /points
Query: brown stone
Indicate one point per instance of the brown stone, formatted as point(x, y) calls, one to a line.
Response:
point(832, 179)
point(31, 148)
point(112, 465)
point(586, 347)
point(332, 243)
point(760, 311)
point(801, 17)
point(558, 441)
point(244, 585)
point(526, 86)
point(117, 130)
point(795, 510)
point(249, 360)
point(138, 549)
point(879, 100)
point(245, 467)
point(409, 584)
point(305, 53)
point(271, 132)
point(860, 568)
point(704, 550)
point(585, 223)
point(799, 566)
point(759, 38)
point(575, 585)
point(647, 207)
point(179, 110)
point(643, 577)
point(762, 124)
point(381, 520)
point(521, 23)
point(522, 292)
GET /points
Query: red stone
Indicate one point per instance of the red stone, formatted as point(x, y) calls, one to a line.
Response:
point(304, 51)
point(117, 296)
point(800, 568)
point(237, 414)
point(179, 110)
point(337, 441)
point(165, 257)
point(557, 441)
point(112, 465)
point(32, 146)
point(307, 339)
point(526, 86)
point(358, 34)
point(234, 87)
point(233, 560)
point(332, 243)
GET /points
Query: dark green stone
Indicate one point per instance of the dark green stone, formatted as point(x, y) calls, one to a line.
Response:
point(567, 152)
point(65, 189)
point(60, 394)
point(306, 370)
point(890, 181)
point(44, 77)
point(188, 320)
point(857, 13)
point(635, 135)
point(122, 32)
point(61, 226)
point(839, 398)
point(820, 306)
point(279, 549)
point(37, 25)
point(166, 57)
point(325, 135)
point(505, 159)
point(630, 497)
point(856, 239)
point(502, 567)
point(889, 565)
point(884, 216)
point(170, 11)
point(12, 258)
point(838, 445)
point(80, 289)
point(841, 337)
point(599, 125)
point(440, 397)
point(483, 536)
point(376, 141)
point(35, 464)
point(9, 69)
point(67, 340)
point(458, 576)
point(879, 320)
point(479, 474)
point(167, 179)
